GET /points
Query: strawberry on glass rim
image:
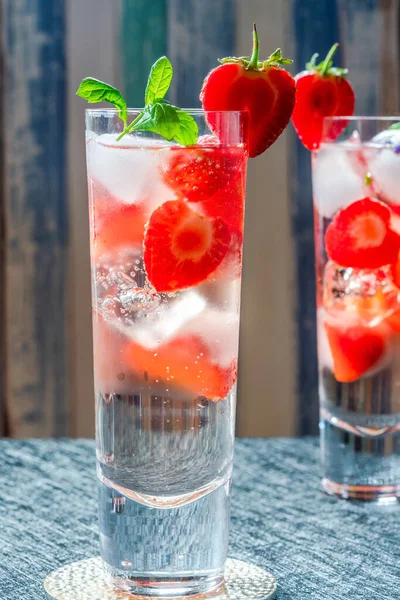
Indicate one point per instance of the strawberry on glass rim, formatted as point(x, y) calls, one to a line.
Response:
point(322, 91)
point(262, 88)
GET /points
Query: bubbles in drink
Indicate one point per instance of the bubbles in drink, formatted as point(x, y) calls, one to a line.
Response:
point(369, 295)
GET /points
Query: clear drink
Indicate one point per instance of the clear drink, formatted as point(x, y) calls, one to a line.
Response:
point(356, 183)
point(167, 232)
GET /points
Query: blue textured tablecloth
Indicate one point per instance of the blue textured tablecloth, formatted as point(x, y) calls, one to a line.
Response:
point(318, 548)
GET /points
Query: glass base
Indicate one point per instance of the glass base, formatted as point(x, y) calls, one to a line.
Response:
point(359, 465)
point(379, 493)
point(165, 587)
point(86, 580)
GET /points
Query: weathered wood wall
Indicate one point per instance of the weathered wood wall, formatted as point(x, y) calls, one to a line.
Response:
point(34, 209)
point(45, 315)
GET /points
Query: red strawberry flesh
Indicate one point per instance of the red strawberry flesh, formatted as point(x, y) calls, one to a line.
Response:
point(360, 236)
point(181, 247)
point(355, 349)
point(195, 174)
point(185, 362)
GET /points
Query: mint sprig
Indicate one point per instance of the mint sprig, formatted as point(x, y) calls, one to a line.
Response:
point(94, 90)
point(158, 115)
point(395, 126)
point(159, 80)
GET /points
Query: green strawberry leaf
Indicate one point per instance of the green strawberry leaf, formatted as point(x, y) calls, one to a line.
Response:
point(326, 67)
point(310, 66)
point(94, 90)
point(395, 126)
point(159, 80)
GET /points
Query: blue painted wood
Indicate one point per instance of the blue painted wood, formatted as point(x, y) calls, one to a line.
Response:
point(34, 112)
point(198, 34)
point(315, 28)
point(143, 41)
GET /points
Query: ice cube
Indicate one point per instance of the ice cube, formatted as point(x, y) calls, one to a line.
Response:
point(384, 164)
point(219, 330)
point(338, 178)
point(168, 321)
point(129, 169)
point(389, 137)
point(188, 315)
point(121, 292)
point(368, 295)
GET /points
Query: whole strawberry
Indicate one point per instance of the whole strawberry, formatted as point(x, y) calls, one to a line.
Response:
point(322, 91)
point(262, 88)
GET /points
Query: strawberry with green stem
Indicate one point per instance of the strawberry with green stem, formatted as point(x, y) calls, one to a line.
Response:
point(322, 91)
point(262, 88)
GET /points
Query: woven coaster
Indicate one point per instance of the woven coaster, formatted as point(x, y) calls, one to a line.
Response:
point(84, 580)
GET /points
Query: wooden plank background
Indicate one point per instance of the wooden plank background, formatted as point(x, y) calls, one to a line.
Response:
point(88, 22)
point(48, 47)
point(315, 28)
point(34, 101)
point(198, 34)
point(267, 368)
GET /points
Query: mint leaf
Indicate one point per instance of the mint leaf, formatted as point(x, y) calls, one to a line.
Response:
point(395, 126)
point(160, 118)
point(188, 131)
point(167, 120)
point(94, 90)
point(159, 80)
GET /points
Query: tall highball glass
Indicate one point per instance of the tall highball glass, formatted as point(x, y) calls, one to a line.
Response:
point(166, 226)
point(356, 189)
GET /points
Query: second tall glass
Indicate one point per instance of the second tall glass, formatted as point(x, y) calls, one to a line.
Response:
point(166, 252)
point(356, 185)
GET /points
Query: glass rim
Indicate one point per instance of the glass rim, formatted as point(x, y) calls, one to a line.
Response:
point(361, 118)
point(191, 111)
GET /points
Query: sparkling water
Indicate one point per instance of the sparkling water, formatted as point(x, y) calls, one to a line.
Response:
point(164, 468)
point(360, 418)
point(165, 362)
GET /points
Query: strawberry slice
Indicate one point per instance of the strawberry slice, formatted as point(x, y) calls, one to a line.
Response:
point(263, 89)
point(185, 362)
point(395, 271)
point(182, 247)
point(198, 173)
point(322, 91)
point(393, 321)
point(355, 349)
point(360, 236)
point(120, 229)
point(228, 204)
